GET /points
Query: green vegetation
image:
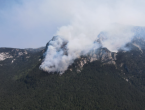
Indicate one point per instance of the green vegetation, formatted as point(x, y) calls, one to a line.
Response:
point(97, 87)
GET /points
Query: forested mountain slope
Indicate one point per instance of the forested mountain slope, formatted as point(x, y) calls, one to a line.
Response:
point(98, 85)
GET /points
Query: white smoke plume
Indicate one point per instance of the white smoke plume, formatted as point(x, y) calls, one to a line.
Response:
point(115, 19)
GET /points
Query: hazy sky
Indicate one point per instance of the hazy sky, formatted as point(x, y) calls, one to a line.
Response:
point(32, 23)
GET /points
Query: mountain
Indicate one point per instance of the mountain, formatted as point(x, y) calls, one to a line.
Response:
point(102, 80)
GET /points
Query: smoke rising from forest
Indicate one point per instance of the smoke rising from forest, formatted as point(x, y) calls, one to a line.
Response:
point(110, 22)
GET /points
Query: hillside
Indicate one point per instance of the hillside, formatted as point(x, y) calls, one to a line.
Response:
point(98, 85)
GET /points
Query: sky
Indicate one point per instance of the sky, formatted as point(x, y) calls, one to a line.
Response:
point(29, 23)
point(32, 23)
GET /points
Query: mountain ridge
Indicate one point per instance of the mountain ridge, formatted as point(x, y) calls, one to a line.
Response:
point(86, 84)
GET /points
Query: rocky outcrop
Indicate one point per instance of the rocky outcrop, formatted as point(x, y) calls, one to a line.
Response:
point(101, 54)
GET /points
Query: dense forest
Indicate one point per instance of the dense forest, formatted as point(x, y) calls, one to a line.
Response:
point(97, 87)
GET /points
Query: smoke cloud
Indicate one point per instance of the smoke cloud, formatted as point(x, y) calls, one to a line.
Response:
point(110, 22)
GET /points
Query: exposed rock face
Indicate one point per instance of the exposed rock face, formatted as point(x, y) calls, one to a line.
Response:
point(9, 56)
point(101, 54)
point(12, 54)
point(59, 55)
point(4, 56)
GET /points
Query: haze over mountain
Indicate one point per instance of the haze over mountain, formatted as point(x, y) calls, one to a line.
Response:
point(94, 61)
point(31, 23)
point(61, 52)
point(101, 79)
